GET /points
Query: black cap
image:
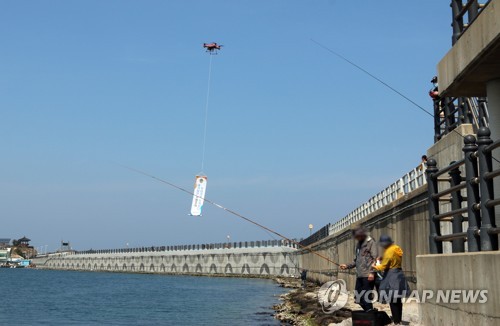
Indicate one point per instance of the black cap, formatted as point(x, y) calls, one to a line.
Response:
point(385, 240)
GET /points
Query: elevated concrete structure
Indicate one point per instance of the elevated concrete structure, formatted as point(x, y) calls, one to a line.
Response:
point(471, 68)
point(258, 262)
point(450, 148)
point(473, 61)
point(405, 220)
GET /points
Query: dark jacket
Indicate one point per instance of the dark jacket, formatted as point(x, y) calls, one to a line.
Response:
point(366, 254)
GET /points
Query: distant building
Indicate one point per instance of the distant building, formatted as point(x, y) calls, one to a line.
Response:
point(65, 246)
point(24, 242)
point(4, 255)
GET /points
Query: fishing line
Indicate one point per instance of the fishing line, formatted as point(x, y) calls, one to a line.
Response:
point(382, 82)
point(270, 231)
point(372, 76)
point(229, 211)
point(204, 142)
point(296, 264)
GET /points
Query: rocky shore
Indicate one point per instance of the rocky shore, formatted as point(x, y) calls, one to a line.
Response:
point(300, 307)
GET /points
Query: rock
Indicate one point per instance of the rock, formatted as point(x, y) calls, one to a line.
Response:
point(310, 295)
point(300, 306)
point(288, 283)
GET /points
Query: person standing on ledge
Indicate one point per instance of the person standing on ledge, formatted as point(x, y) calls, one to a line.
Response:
point(423, 164)
point(393, 287)
point(365, 256)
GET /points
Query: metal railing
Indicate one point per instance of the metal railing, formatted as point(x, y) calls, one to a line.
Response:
point(479, 110)
point(451, 112)
point(211, 246)
point(316, 236)
point(471, 198)
point(464, 15)
point(405, 185)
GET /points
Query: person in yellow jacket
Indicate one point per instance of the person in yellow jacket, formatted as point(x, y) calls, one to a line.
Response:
point(393, 255)
point(393, 287)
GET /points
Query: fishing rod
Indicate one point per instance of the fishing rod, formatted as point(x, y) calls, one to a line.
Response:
point(387, 85)
point(230, 211)
point(308, 248)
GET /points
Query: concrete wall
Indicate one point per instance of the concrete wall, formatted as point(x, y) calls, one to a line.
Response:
point(405, 220)
point(449, 148)
point(262, 262)
point(467, 271)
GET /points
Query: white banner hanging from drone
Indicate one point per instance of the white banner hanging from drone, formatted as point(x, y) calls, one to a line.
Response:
point(200, 187)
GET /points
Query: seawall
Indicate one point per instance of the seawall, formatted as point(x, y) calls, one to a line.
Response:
point(405, 220)
point(247, 262)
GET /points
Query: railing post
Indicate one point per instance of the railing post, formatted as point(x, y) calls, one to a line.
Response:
point(473, 199)
point(436, 247)
point(488, 241)
point(457, 245)
point(483, 111)
point(437, 120)
point(457, 22)
point(464, 110)
point(448, 114)
point(473, 11)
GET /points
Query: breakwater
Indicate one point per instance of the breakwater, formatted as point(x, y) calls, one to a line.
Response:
point(259, 261)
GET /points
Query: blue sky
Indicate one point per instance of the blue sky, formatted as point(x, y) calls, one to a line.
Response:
point(295, 135)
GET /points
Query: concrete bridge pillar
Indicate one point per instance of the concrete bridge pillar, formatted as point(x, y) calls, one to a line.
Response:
point(493, 92)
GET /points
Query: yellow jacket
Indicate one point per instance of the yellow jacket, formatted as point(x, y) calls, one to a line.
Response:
point(393, 256)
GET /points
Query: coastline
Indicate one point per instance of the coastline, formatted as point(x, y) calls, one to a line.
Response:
point(300, 306)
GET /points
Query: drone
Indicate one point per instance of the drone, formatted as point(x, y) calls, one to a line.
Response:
point(212, 48)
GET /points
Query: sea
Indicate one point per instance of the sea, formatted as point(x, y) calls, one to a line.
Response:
point(48, 297)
